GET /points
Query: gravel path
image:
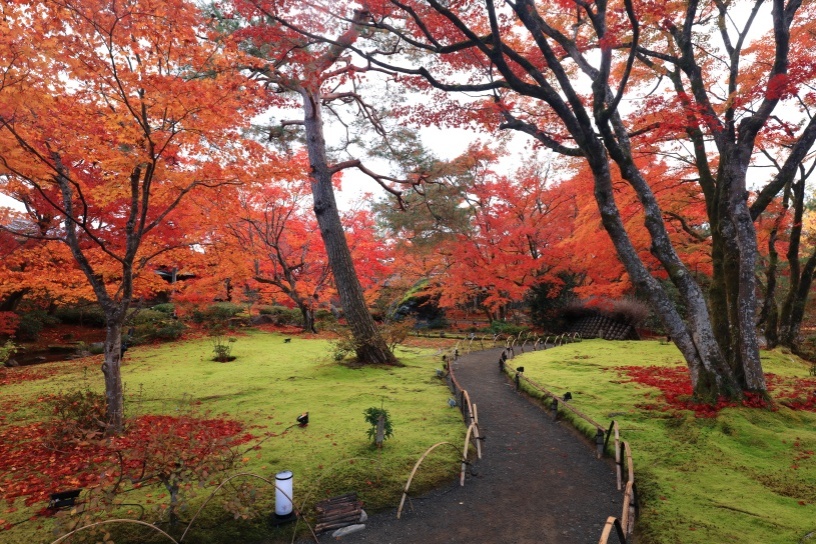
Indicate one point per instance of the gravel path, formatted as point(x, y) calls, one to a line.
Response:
point(537, 482)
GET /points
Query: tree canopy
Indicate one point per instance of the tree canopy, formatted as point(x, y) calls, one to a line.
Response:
point(683, 130)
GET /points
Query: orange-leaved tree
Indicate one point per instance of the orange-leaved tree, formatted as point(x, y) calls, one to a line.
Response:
point(111, 112)
point(493, 237)
point(281, 242)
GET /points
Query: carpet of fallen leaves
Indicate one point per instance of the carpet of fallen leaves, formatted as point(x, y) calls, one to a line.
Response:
point(32, 470)
point(675, 386)
point(9, 376)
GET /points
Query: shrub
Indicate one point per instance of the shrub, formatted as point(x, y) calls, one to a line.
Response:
point(508, 329)
point(141, 317)
point(266, 310)
point(179, 454)
point(7, 350)
point(158, 331)
point(223, 310)
point(343, 346)
point(167, 308)
point(281, 315)
point(155, 326)
point(325, 317)
point(439, 322)
point(76, 416)
point(218, 314)
point(32, 323)
point(222, 347)
point(372, 417)
point(395, 332)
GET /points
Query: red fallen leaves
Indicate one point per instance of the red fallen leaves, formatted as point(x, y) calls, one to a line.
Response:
point(801, 455)
point(9, 376)
point(29, 469)
point(674, 383)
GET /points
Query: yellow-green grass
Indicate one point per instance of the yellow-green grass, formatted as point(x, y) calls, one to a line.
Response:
point(701, 480)
point(268, 385)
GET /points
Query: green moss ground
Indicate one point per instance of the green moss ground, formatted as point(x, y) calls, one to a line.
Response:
point(743, 476)
point(267, 387)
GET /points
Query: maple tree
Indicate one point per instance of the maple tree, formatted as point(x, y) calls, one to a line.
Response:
point(281, 240)
point(577, 77)
point(32, 266)
point(493, 236)
point(110, 114)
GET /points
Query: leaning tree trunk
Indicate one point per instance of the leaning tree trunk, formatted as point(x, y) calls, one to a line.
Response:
point(369, 344)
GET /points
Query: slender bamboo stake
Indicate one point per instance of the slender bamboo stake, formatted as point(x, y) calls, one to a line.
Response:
point(413, 472)
point(465, 453)
point(136, 521)
point(629, 463)
point(618, 460)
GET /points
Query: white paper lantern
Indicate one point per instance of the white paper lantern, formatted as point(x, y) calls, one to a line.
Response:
point(283, 493)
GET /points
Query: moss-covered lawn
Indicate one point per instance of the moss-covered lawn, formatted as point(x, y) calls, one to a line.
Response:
point(268, 385)
point(740, 475)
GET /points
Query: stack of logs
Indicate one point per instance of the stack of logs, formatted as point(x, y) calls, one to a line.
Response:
point(338, 512)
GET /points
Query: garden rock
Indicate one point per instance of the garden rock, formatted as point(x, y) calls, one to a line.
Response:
point(339, 533)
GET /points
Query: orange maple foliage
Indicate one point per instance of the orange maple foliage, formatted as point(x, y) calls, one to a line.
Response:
point(110, 114)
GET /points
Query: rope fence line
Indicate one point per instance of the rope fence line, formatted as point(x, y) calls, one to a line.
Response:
point(624, 525)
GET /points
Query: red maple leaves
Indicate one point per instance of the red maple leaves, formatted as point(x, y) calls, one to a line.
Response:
point(9, 376)
point(33, 470)
point(674, 384)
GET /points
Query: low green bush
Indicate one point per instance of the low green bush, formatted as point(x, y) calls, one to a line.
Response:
point(325, 317)
point(147, 316)
point(438, 323)
point(162, 331)
point(219, 313)
point(508, 329)
point(281, 315)
point(155, 326)
point(167, 308)
point(266, 310)
point(32, 323)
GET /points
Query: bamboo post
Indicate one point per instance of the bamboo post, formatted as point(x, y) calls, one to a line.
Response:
point(627, 500)
point(466, 403)
point(612, 523)
point(629, 505)
point(629, 463)
point(465, 454)
point(618, 457)
point(413, 472)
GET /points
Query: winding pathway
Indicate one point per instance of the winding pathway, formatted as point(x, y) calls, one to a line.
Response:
point(537, 482)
